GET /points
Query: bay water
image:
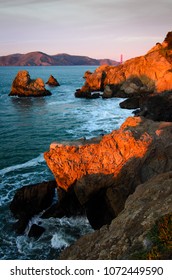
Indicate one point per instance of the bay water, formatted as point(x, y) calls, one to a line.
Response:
point(27, 128)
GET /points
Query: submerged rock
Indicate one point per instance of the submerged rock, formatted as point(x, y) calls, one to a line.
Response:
point(107, 172)
point(52, 82)
point(128, 236)
point(24, 86)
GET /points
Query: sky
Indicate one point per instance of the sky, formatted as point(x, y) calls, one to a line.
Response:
point(94, 28)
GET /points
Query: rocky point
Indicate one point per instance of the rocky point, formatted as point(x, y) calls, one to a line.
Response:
point(141, 75)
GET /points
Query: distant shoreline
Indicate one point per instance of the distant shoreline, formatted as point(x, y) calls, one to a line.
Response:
point(43, 59)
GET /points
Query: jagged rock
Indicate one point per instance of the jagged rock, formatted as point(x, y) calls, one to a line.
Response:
point(108, 171)
point(52, 82)
point(153, 70)
point(30, 200)
point(23, 86)
point(127, 236)
point(157, 107)
point(95, 83)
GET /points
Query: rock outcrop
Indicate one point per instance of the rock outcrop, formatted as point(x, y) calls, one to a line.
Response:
point(24, 86)
point(52, 82)
point(103, 174)
point(128, 236)
point(145, 74)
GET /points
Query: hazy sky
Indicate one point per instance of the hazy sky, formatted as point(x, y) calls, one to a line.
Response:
point(96, 28)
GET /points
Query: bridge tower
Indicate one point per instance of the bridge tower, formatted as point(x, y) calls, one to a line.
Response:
point(121, 59)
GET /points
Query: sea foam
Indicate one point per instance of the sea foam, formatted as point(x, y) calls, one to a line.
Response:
point(30, 163)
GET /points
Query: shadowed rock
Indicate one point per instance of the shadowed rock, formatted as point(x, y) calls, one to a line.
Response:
point(31, 200)
point(127, 236)
point(157, 107)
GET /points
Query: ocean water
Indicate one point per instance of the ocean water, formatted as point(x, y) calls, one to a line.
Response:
point(27, 127)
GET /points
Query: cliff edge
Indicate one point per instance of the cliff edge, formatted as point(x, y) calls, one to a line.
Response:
point(149, 73)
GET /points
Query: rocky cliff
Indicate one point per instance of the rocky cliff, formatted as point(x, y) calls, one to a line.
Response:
point(141, 231)
point(102, 175)
point(149, 73)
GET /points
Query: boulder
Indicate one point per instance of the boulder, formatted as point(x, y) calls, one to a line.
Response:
point(132, 235)
point(134, 87)
point(31, 200)
point(106, 172)
point(24, 86)
point(112, 90)
point(52, 82)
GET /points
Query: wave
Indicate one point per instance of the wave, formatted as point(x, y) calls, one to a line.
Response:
point(30, 163)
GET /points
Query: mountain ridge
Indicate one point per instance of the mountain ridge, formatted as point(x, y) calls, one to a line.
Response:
point(38, 58)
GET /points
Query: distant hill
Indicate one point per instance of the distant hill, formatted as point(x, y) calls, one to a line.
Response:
point(43, 59)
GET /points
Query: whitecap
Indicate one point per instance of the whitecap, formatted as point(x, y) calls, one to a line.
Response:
point(30, 163)
point(57, 242)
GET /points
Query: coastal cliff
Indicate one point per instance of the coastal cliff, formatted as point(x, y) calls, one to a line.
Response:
point(121, 181)
point(141, 231)
point(149, 73)
point(102, 175)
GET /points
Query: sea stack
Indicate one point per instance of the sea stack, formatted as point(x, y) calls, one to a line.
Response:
point(24, 86)
point(52, 82)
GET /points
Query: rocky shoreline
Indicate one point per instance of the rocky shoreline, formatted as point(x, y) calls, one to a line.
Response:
point(121, 181)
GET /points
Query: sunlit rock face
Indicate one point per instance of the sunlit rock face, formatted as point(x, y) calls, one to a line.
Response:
point(154, 70)
point(24, 86)
point(103, 174)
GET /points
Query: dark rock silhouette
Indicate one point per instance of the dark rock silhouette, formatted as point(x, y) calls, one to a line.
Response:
point(31, 200)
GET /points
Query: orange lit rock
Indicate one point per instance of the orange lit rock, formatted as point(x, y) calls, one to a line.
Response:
point(105, 173)
point(52, 82)
point(23, 85)
point(153, 69)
